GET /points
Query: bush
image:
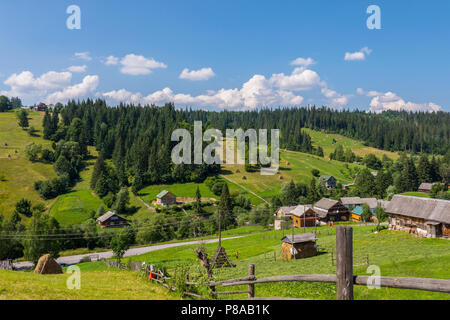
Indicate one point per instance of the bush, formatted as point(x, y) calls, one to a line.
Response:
point(217, 188)
point(315, 172)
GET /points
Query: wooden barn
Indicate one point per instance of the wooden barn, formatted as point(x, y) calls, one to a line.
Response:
point(331, 210)
point(285, 211)
point(422, 217)
point(425, 187)
point(304, 216)
point(112, 220)
point(299, 246)
point(329, 182)
point(166, 198)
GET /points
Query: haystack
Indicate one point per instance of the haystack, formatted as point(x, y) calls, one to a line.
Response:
point(280, 177)
point(244, 178)
point(47, 265)
point(288, 163)
point(238, 171)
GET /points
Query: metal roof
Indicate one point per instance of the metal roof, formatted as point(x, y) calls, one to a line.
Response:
point(299, 238)
point(162, 194)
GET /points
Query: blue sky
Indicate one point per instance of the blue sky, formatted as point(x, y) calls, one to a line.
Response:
point(238, 54)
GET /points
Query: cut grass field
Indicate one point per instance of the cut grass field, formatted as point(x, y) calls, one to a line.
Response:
point(298, 169)
point(20, 174)
point(325, 140)
point(98, 285)
point(395, 252)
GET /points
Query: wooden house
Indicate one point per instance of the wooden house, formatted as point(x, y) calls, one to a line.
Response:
point(328, 182)
point(422, 217)
point(112, 220)
point(284, 212)
point(304, 216)
point(425, 187)
point(40, 107)
point(331, 210)
point(299, 246)
point(166, 198)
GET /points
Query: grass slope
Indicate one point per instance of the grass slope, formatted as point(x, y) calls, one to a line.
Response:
point(395, 252)
point(100, 285)
point(19, 172)
point(325, 140)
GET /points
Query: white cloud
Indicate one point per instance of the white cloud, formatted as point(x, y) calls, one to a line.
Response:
point(139, 65)
point(111, 61)
point(359, 55)
point(383, 101)
point(256, 92)
point(303, 62)
point(25, 85)
point(300, 79)
point(197, 75)
point(78, 91)
point(83, 56)
point(335, 99)
point(80, 69)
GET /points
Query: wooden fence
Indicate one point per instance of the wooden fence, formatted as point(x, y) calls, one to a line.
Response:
point(344, 278)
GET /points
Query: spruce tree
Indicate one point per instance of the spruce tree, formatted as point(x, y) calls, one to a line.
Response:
point(198, 202)
point(225, 209)
point(99, 169)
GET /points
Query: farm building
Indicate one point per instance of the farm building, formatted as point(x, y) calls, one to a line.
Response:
point(331, 210)
point(299, 246)
point(422, 217)
point(304, 216)
point(280, 224)
point(328, 181)
point(166, 198)
point(353, 202)
point(40, 107)
point(357, 215)
point(112, 220)
point(285, 211)
point(425, 187)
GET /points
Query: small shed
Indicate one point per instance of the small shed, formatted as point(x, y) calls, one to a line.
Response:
point(425, 187)
point(299, 246)
point(166, 198)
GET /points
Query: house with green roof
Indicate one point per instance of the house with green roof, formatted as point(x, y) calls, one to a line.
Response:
point(166, 198)
point(328, 182)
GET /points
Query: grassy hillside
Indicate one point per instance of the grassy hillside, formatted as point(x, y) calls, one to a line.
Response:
point(103, 285)
point(20, 173)
point(395, 252)
point(325, 140)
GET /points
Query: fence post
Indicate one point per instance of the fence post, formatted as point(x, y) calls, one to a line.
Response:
point(344, 263)
point(251, 287)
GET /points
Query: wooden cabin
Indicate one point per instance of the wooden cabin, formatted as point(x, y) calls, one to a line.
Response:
point(284, 212)
point(299, 246)
point(331, 210)
point(329, 182)
point(304, 216)
point(425, 187)
point(166, 198)
point(112, 220)
point(422, 217)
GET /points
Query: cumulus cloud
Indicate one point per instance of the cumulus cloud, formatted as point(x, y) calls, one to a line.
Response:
point(335, 99)
point(83, 56)
point(300, 79)
point(256, 92)
point(359, 55)
point(303, 62)
point(111, 61)
point(78, 91)
point(25, 85)
point(197, 75)
point(134, 64)
point(77, 69)
point(383, 101)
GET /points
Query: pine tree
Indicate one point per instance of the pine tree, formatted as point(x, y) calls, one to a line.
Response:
point(47, 125)
point(99, 169)
point(198, 202)
point(225, 209)
point(22, 116)
point(424, 170)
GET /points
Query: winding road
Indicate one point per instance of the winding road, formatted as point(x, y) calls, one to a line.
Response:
point(130, 252)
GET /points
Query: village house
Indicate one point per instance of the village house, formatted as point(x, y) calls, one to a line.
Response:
point(425, 187)
point(284, 212)
point(353, 202)
point(422, 217)
point(328, 182)
point(40, 107)
point(331, 210)
point(357, 215)
point(166, 198)
point(304, 216)
point(112, 220)
point(299, 246)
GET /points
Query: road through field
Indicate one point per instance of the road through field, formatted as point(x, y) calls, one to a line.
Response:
point(241, 186)
point(130, 252)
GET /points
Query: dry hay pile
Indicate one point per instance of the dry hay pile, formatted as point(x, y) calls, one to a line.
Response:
point(280, 177)
point(244, 178)
point(238, 171)
point(47, 265)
